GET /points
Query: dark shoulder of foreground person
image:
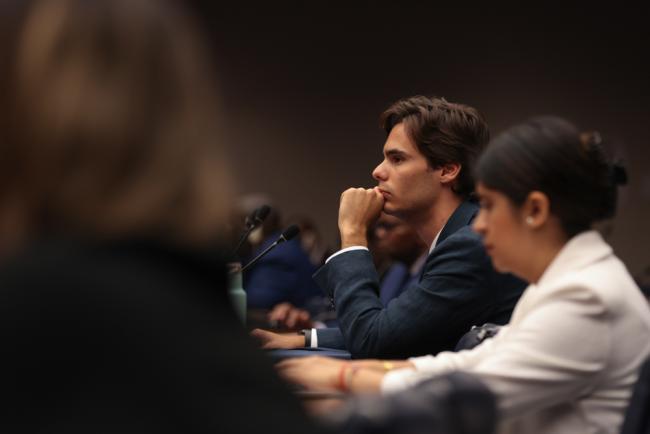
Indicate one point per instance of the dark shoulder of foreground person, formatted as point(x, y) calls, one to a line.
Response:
point(132, 335)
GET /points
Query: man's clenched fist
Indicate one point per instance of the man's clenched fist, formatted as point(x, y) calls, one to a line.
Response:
point(359, 208)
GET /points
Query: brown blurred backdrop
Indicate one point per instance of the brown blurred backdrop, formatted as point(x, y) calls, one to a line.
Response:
point(302, 87)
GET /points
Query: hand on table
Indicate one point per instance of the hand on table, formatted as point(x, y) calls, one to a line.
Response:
point(313, 373)
point(273, 341)
point(287, 315)
point(329, 374)
point(382, 365)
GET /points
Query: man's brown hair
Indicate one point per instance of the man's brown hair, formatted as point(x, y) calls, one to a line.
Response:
point(444, 133)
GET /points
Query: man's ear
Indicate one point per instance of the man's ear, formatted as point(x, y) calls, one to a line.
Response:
point(536, 209)
point(449, 172)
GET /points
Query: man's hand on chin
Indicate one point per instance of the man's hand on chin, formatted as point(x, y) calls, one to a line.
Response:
point(358, 210)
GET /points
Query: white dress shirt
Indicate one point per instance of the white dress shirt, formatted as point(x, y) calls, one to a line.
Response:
point(569, 358)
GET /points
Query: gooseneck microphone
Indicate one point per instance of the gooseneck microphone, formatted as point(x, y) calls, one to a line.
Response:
point(288, 234)
point(252, 221)
point(258, 216)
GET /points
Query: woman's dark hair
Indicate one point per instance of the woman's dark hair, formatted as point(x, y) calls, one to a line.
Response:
point(550, 155)
point(444, 132)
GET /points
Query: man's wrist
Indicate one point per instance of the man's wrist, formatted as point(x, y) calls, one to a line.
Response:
point(307, 336)
point(353, 239)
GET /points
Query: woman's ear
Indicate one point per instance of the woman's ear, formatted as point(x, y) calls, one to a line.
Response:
point(536, 210)
point(449, 172)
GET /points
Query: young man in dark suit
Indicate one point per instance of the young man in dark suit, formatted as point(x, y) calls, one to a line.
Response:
point(426, 180)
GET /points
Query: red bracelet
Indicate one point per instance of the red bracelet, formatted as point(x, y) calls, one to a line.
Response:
point(342, 386)
point(352, 372)
point(341, 383)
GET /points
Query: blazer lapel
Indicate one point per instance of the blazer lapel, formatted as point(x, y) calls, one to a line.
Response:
point(462, 216)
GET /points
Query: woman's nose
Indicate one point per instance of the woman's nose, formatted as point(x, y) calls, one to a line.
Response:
point(479, 225)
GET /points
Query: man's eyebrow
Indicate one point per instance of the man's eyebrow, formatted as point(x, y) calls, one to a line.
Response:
point(395, 152)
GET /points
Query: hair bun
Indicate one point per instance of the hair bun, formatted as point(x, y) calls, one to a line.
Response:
point(619, 174)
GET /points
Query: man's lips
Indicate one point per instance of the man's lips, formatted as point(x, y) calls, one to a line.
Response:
point(384, 193)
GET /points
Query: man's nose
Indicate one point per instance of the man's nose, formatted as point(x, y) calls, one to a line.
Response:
point(379, 173)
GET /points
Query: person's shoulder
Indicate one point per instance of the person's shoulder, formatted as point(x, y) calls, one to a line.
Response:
point(462, 254)
point(124, 272)
point(40, 263)
point(607, 282)
point(289, 252)
point(465, 234)
point(462, 242)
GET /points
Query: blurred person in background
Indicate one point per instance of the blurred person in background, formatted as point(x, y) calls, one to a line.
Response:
point(407, 251)
point(389, 237)
point(284, 274)
point(311, 239)
point(113, 194)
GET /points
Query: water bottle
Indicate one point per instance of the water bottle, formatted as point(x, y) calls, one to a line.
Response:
point(236, 291)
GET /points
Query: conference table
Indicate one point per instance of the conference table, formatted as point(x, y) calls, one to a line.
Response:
point(316, 401)
point(278, 355)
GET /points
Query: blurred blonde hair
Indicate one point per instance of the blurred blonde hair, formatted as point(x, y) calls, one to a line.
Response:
point(109, 124)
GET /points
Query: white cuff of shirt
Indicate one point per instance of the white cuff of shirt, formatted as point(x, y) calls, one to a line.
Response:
point(397, 380)
point(421, 362)
point(400, 379)
point(314, 338)
point(347, 249)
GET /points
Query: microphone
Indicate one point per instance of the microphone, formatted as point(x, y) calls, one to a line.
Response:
point(258, 216)
point(288, 234)
point(252, 221)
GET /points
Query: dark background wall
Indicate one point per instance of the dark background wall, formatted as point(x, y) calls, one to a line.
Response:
point(302, 88)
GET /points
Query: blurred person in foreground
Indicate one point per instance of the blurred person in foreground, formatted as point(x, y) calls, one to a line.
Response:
point(113, 191)
point(568, 359)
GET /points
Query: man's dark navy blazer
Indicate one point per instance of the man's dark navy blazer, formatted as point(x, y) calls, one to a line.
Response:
point(458, 288)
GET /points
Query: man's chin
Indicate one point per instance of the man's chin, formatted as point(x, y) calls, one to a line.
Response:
point(391, 211)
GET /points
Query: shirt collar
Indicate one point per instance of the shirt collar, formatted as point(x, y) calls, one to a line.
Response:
point(435, 241)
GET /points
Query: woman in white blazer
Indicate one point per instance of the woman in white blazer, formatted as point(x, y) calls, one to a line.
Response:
point(569, 358)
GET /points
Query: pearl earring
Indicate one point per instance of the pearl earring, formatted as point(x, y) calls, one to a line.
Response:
point(529, 220)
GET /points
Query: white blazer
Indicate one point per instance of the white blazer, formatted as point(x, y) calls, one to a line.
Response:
point(569, 358)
